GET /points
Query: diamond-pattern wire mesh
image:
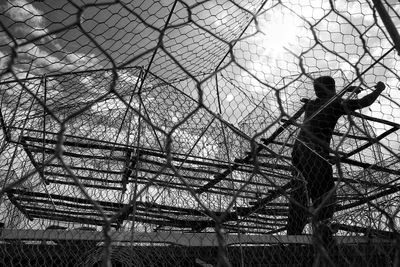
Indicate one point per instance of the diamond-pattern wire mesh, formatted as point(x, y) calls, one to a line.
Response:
point(160, 133)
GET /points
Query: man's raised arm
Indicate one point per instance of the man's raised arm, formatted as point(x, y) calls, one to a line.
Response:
point(365, 101)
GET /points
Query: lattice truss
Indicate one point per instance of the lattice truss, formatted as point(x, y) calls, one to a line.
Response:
point(179, 116)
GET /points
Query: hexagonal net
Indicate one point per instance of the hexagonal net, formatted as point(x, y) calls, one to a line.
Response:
point(199, 133)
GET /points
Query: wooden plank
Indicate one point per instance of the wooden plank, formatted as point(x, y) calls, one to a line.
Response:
point(366, 231)
point(366, 165)
point(240, 167)
point(4, 127)
point(78, 144)
point(363, 116)
point(97, 186)
point(184, 239)
point(220, 190)
point(370, 198)
point(370, 142)
point(152, 171)
point(86, 204)
point(347, 135)
point(142, 151)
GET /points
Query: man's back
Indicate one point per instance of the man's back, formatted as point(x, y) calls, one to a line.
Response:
point(317, 129)
point(316, 132)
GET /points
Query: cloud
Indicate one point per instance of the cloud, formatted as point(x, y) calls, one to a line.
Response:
point(82, 61)
point(39, 60)
point(4, 39)
point(45, 55)
point(27, 20)
point(4, 61)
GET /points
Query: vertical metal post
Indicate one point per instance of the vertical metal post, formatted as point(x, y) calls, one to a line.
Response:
point(135, 185)
point(387, 21)
point(7, 136)
point(44, 121)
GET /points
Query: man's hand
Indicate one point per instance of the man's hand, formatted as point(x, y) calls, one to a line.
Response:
point(354, 89)
point(380, 86)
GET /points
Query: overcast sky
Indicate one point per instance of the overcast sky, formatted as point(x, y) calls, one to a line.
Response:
point(230, 55)
point(198, 39)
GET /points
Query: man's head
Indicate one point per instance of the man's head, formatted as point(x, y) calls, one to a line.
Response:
point(324, 87)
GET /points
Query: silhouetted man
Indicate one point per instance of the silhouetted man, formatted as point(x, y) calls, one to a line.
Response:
point(313, 175)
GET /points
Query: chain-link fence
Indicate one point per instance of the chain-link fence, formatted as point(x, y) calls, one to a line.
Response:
point(189, 133)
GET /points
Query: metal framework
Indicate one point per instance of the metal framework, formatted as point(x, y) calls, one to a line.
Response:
point(111, 168)
point(138, 124)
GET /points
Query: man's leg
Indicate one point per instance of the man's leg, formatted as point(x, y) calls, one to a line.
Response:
point(298, 202)
point(324, 198)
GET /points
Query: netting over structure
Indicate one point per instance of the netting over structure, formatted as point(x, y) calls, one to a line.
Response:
point(161, 133)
